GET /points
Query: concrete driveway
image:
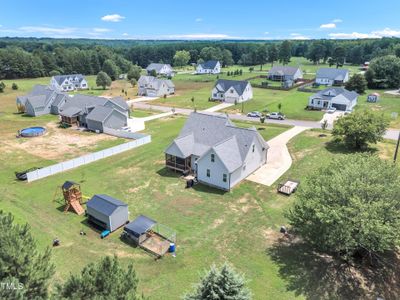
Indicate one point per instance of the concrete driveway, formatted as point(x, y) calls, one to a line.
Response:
point(278, 159)
point(331, 117)
point(218, 107)
point(141, 99)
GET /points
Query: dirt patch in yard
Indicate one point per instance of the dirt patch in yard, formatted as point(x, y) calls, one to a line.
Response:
point(58, 143)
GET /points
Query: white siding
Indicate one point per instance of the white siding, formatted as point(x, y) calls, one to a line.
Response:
point(217, 169)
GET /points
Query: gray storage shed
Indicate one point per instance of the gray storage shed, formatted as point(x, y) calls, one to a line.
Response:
point(138, 228)
point(107, 212)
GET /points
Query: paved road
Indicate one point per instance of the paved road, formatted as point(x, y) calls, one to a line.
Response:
point(391, 134)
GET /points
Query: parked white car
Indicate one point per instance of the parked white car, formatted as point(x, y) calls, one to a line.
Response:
point(254, 114)
point(276, 116)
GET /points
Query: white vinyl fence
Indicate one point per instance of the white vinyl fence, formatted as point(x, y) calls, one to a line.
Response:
point(87, 159)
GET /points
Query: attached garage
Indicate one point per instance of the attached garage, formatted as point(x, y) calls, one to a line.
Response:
point(339, 106)
point(107, 212)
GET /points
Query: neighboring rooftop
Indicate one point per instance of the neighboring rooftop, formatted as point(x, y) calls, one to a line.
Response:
point(154, 82)
point(332, 73)
point(283, 70)
point(209, 64)
point(238, 85)
point(331, 92)
point(61, 78)
point(157, 67)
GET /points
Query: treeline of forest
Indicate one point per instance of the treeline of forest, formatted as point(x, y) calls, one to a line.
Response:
point(30, 57)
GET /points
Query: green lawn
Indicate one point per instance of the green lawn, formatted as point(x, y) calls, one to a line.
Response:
point(139, 113)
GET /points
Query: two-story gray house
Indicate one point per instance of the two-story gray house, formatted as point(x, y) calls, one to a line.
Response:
point(216, 151)
point(160, 69)
point(155, 87)
point(232, 91)
point(69, 83)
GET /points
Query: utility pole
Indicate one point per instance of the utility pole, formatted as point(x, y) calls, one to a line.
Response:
point(397, 149)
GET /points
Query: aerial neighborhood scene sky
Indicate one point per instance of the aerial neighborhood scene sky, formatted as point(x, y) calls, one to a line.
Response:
point(200, 150)
point(123, 19)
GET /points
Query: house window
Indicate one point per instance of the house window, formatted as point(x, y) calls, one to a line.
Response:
point(212, 157)
point(215, 95)
point(319, 102)
point(231, 91)
point(224, 177)
point(208, 173)
point(254, 148)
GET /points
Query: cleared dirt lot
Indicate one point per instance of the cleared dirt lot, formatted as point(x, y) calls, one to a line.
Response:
point(59, 144)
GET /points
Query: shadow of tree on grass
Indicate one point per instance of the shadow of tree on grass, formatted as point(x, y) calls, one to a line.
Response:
point(318, 276)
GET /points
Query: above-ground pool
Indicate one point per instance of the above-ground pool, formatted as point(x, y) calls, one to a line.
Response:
point(32, 131)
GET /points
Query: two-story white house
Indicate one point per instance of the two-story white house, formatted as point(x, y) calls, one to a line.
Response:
point(332, 76)
point(209, 67)
point(68, 83)
point(160, 69)
point(216, 151)
point(154, 87)
point(232, 91)
point(333, 97)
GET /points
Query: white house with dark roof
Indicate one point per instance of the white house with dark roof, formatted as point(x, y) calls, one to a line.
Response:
point(69, 83)
point(209, 67)
point(155, 87)
point(216, 151)
point(285, 73)
point(161, 69)
point(232, 91)
point(334, 97)
point(332, 76)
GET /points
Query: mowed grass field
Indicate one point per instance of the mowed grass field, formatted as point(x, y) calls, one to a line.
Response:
point(241, 227)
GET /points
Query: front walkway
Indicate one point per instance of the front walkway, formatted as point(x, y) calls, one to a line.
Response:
point(278, 159)
point(141, 99)
point(219, 107)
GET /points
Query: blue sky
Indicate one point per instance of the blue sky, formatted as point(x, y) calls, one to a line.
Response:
point(203, 19)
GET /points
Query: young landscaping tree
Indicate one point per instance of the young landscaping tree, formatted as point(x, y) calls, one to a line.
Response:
point(285, 52)
point(103, 80)
point(134, 72)
point(357, 83)
point(181, 58)
point(221, 284)
point(360, 128)
point(106, 279)
point(2, 86)
point(350, 206)
point(279, 106)
point(133, 82)
point(21, 264)
point(14, 86)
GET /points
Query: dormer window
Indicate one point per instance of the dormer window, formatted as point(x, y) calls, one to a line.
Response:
point(212, 157)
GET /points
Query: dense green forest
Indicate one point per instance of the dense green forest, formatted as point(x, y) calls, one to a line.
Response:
point(36, 57)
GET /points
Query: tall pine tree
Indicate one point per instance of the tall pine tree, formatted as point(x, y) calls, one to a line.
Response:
point(24, 271)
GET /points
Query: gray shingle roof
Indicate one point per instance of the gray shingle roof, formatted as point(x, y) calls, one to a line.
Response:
point(331, 92)
point(203, 131)
point(99, 113)
point(157, 67)
point(140, 225)
point(238, 85)
point(332, 73)
point(209, 64)
point(71, 111)
point(83, 102)
point(37, 101)
point(41, 95)
point(104, 204)
point(154, 82)
point(283, 70)
point(120, 102)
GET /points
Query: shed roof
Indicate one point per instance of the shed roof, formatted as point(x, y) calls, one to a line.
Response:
point(104, 204)
point(141, 225)
point(68, 184)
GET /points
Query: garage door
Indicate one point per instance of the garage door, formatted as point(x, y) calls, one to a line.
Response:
point(339, 106)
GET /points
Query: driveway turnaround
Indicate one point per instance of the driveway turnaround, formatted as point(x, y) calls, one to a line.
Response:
point(278, 159)
point(331, 118)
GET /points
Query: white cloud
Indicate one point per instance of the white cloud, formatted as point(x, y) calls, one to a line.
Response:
point(266, 32)
point(200, 36)
point(199, 20)
point(112, 18)
point(337, 21)
point(386, 32)
point(47, 30)
point(298, 36)
point(101, 30)
point(125, 34)
point(328, 26)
